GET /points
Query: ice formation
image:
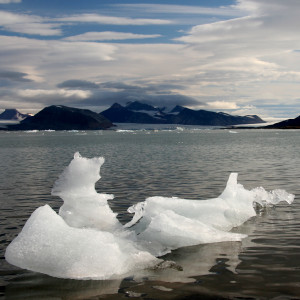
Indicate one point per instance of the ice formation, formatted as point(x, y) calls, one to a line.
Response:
point(163, 224)
point(86, 241)
point(83, 206)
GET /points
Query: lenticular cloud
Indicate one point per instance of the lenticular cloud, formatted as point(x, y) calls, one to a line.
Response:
point(86, 241)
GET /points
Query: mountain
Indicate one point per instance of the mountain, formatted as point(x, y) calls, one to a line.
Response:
point(13, 115)
point(63, 118)
point(138, 106)
point(177, 109)
point(137, 112)
point(209, 118)
point(287, 124)
point(120, 114)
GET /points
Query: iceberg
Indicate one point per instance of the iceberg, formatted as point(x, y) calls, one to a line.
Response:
point(85, 240)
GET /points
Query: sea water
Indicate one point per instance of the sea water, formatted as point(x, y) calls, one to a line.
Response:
point(189, 163)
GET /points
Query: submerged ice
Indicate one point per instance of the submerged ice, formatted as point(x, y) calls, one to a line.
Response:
point(86, 241)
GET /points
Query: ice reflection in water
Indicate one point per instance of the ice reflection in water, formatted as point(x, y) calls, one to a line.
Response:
point(194, 261)
point(38, 286)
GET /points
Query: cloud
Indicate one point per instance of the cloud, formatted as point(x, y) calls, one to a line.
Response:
point(145, 88)
point(78, 84)
point(250, 57)
point(28, 24)
point(14, 76)
point(222, 31)
point(107, 93)
point(270, 27)
point(223, 105)
point(103, 19)
point(107, 98)
point(58, 94)
point(160, 74)
point(80, 93)
point(54, 61)
point(185, 9)
point(36, 25)
point(10, 1)
point(109, 36)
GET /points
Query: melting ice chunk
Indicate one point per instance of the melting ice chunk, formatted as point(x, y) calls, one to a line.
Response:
point(163, 223)
point(83, 206)
point(48, 245)
point(87, 241)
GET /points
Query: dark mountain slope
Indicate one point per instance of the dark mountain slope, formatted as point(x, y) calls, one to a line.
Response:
point(120, 114)
point(203, 117)
point(137, 112)
point(63, 118)
point(287, 124)
point(13, 115)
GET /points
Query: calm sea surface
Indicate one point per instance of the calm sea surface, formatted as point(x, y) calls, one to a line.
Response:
point(185, 162)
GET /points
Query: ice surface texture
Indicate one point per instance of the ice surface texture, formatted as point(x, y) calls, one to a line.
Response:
point(86, 241)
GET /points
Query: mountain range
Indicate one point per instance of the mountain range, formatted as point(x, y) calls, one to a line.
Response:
point(137, 112)
point(59, 117)
point(13, 115)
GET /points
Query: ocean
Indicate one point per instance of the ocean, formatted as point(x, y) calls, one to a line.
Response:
point(186, 162)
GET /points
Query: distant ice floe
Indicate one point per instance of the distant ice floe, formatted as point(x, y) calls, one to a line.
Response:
point(125, 130)
point(31, 131)
point(86, 241)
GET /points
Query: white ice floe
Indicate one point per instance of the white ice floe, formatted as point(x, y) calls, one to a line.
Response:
point(163, 224)
point(86, 241)
point(48, 245)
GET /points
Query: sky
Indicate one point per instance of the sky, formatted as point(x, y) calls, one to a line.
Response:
point(237, 56)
